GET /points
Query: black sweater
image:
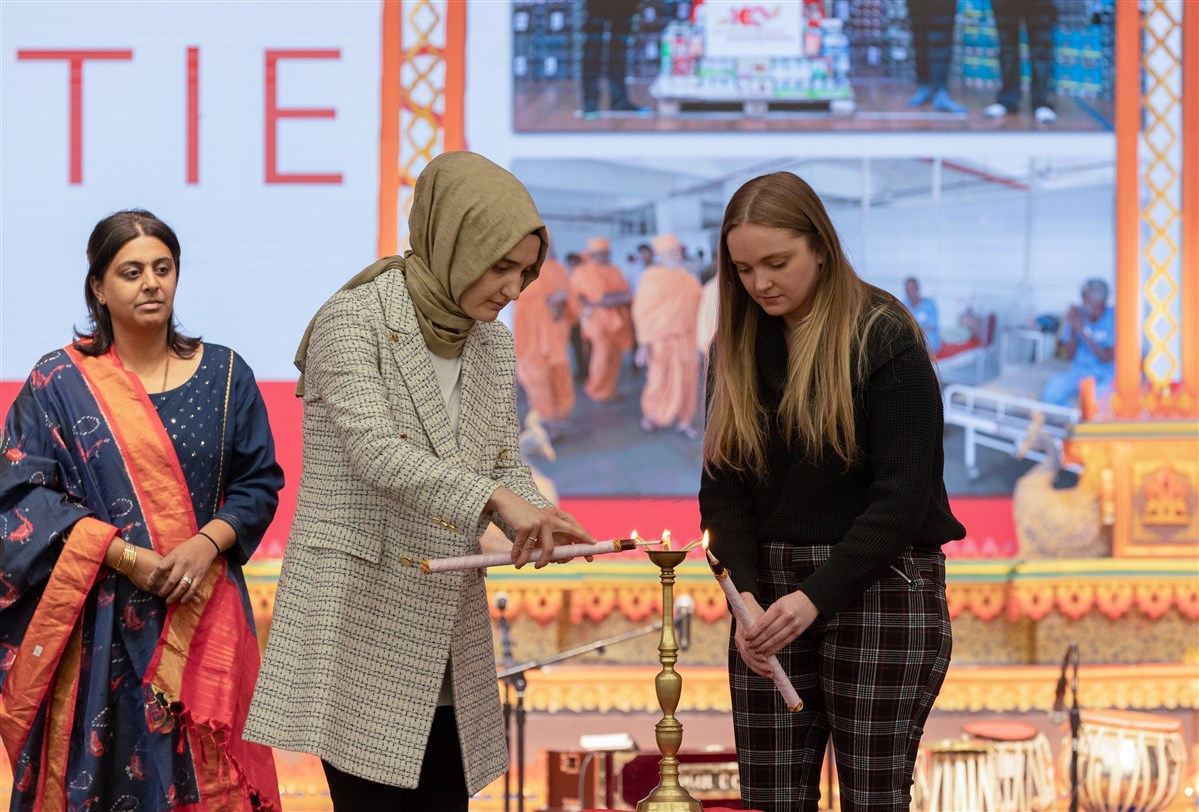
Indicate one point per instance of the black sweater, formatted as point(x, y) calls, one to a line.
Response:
point(891, 498)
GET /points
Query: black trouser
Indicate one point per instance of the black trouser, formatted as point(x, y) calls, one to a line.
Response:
point(868, 678)
point(617, 16)
point(932, 40)
point(1039, 17)
point(442, 785)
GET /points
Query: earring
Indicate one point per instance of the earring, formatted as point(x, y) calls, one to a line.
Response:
point(101, 301)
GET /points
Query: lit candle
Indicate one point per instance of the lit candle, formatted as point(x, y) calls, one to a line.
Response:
point(498, 559)
point(741, 613)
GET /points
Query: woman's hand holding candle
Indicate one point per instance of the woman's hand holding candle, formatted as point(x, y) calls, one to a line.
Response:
point(535, 527)
point(758, 661)
point(746, 620)
point(786, 619)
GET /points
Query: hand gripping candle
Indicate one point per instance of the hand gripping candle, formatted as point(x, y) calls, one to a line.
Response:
point(741, 613)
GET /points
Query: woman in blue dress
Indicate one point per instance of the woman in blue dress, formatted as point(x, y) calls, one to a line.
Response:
point(137, 475)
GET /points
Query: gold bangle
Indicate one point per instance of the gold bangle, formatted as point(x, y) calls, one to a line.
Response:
point(128, 559)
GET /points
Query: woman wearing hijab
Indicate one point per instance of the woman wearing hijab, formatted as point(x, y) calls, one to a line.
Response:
point(410, 450)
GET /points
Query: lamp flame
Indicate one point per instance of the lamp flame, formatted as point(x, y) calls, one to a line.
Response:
point(666, 539)
point(705, 541)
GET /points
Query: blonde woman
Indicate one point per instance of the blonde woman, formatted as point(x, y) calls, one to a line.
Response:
point(822, 489)
point(410, 450)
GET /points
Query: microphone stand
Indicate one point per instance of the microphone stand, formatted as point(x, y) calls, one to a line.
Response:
point(518, 680)
point(1075, 729)
point(516, 683)
point(514, 676)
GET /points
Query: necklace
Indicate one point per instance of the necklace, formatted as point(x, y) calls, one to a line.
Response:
point(166, 368)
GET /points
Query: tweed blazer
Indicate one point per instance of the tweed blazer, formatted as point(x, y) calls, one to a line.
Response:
point(359, 642)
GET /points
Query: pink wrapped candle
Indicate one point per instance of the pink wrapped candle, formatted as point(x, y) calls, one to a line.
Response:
point(741, 613)
point(499, 559)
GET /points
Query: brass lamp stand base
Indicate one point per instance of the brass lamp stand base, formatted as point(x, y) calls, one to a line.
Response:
point(669, 795)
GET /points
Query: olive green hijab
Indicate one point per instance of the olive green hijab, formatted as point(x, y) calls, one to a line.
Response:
point(467, 212)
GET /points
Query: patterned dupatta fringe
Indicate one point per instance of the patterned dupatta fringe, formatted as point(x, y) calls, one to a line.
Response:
point(198, 679)
point(224, 781)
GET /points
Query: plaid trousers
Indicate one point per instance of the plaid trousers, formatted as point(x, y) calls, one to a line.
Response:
point(868, 677)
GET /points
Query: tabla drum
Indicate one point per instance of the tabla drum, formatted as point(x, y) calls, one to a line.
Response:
point(1127, 761)
point(1023, 764)
point(953, 775)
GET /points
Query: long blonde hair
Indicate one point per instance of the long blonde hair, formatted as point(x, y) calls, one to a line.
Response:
point(817, 403)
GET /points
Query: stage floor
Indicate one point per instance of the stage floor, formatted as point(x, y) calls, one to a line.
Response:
point(702, 731)
point(1028, 690)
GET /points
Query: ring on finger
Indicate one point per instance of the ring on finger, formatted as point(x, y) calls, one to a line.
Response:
point(185, 580)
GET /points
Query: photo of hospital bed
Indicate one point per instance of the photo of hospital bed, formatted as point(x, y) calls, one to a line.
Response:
point(967, 361)
point(1020, 426)
point(1004, 413)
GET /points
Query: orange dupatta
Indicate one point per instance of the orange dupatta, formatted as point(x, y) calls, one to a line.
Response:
point(204, 646)
point(46, 667)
